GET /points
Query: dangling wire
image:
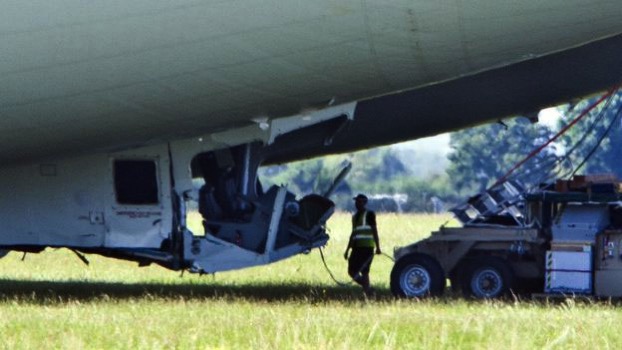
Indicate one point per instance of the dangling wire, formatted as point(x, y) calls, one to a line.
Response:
point(560, 133)
point(388, 256)
point(342, 284)
point(597, 120)
point(548, 165)
point(600, 140)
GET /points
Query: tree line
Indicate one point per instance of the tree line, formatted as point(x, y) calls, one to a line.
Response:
point(478, 157)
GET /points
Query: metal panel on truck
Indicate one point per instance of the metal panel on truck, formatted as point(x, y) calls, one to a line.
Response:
point(581, 222)
point(568, 271)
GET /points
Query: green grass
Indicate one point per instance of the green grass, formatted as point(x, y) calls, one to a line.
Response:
point(52, 300)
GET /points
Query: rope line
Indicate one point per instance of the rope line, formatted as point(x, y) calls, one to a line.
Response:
point(600, 140)
point(388, 256)
point(344, 284)
point(556, 162)
point(560, 133)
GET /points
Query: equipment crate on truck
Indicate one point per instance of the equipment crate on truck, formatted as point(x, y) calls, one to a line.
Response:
point(562, 238)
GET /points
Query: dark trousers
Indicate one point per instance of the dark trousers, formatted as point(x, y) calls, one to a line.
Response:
point(360, 262)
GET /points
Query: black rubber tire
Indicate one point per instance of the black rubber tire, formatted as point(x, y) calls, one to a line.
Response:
point(422, 270)
point(486, 278)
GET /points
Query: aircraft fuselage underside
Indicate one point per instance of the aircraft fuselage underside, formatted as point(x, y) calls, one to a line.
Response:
point(135, 204)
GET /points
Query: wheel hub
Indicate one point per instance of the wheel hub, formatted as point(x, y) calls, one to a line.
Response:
point(415, 281)
point(487, 283)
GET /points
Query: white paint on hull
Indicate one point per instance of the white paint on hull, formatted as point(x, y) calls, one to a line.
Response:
point(84, 75)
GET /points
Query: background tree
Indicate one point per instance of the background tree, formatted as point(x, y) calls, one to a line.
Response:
point(478, 157)
point(375, 171)
point(481, 155)
point(582, 139)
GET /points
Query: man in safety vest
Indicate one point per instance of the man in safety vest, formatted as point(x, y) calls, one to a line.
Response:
point(363, 240)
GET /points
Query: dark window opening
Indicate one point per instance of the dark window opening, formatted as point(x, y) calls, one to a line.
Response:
point(136, 182)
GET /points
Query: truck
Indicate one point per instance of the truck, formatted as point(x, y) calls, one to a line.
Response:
point(562, 238)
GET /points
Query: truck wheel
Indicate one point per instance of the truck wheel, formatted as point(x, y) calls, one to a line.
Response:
point(417, 276)
point(487, 278)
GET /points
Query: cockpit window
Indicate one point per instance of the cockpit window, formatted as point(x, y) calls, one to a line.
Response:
point(136, 182)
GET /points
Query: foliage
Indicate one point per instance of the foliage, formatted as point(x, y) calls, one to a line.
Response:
point(586, 134)
point(420, 191)
point(316, 175)
point(483, 154)
point(374, 172)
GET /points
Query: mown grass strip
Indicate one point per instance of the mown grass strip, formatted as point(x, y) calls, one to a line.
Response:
point(52, 300)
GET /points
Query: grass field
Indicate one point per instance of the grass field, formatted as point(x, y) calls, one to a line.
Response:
point(52, 300)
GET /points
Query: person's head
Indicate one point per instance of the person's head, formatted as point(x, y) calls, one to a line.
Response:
point(360, 201)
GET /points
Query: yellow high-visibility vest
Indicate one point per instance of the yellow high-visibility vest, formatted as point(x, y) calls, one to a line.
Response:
point(362, 233)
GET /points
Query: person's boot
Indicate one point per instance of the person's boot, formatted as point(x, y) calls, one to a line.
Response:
point(359, 279)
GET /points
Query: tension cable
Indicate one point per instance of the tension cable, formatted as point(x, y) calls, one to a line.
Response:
point(344, 284)
point(600, 140)
point(566, 157)
point(560, 133)
point(81, 257)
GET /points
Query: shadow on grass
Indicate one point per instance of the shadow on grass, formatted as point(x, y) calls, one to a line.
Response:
point(60, 292)
point(51, 292)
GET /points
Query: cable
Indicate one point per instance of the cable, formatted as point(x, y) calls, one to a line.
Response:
point(600, 140)
point(591, 128)
point(546, 165)
point(388, 256)
point(342, 284)
point(345, 284)
point(561, 132)
point(609, 97)
point(599, 117)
